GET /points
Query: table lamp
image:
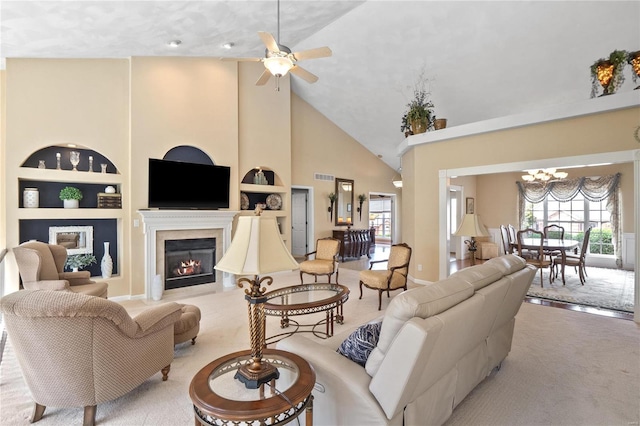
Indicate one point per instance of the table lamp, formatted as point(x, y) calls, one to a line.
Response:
point(471, 227)
point(257, 248)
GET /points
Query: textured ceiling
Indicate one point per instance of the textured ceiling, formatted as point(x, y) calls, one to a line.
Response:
point(485, 59)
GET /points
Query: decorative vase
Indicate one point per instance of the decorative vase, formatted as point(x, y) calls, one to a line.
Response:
point(71, 204)
point(440, 123)
point(106, 264)
point(156, 288)
point(31, 198)
point(419, 126)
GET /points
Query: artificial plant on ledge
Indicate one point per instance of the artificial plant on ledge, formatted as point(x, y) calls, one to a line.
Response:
point(608, 72)
point(419, 116)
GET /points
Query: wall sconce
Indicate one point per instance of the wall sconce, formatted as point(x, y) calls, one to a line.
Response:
point(332, 199)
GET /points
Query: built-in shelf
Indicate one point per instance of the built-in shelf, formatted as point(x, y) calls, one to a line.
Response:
point(90, 213)
point(52, 175)
point(267, 189)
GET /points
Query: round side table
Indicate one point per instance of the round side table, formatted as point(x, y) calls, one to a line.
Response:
point(220, 400)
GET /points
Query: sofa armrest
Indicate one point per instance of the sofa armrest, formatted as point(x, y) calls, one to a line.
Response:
point(55, 285)
point(157, 318)
point(341, 394)
point(76, 278)
point(401, 369)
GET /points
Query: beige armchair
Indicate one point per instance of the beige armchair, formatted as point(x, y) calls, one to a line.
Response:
point(393, 278)
point(78, 350)
point(42, 267)
point(325, 261)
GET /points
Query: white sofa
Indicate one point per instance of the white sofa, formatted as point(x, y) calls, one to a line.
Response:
point(436, 343)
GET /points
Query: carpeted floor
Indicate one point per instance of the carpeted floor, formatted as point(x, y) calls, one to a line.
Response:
point(565, 368)
point(603, 288)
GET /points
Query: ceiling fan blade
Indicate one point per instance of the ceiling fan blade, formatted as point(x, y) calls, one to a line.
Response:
point(320, 52)
point(266, 75)
point(269, 41)
point(304, 74)
point(242, 59)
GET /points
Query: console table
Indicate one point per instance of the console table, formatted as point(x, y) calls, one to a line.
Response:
point(355, 242)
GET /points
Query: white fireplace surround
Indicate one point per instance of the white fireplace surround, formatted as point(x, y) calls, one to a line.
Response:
point(175, 220)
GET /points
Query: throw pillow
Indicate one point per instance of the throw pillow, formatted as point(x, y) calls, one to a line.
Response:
point(361, 342)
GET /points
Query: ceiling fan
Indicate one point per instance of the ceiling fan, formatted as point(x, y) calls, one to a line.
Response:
point(278, 59)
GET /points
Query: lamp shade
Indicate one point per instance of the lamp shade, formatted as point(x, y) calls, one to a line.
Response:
point(256, 248)
point(278, 65)
point(471, 227)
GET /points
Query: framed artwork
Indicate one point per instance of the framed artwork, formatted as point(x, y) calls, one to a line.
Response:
point(470, 206)
point(76, 239)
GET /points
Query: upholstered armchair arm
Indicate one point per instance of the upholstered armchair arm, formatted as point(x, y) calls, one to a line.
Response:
point(76, 278)
point(306, 256)
point(373, 262)
point(157, 318)
point(54, 285)
point(395, 268)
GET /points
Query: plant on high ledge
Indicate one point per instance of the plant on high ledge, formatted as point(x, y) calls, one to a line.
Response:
point(633, 58)
point(419, 116)
point(608, 72)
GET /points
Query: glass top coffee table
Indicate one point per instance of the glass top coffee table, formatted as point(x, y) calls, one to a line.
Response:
point(221, 400)
point(307, 299)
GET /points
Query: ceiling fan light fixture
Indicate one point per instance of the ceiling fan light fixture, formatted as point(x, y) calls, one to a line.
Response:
point(278, 66)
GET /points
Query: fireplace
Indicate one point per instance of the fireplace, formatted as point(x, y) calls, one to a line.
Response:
point(189, 262)
point(163, 225)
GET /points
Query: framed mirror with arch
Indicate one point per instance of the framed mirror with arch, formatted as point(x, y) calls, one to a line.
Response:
point(344, 203)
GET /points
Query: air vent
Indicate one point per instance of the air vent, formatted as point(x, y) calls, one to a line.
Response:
point(322, 176)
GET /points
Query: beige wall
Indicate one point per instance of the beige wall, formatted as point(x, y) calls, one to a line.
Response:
point(133, 109)
point(319, 146)
point(597, 133)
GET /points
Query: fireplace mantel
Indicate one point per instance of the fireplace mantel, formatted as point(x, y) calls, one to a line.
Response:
point(173, 220)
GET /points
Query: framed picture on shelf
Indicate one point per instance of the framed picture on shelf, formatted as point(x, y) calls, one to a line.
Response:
point(470, 205)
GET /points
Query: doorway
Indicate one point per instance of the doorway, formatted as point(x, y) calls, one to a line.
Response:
point(454, 219)
point(301, 220)
point(382, 216)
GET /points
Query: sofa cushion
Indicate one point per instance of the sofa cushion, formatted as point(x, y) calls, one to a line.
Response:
point(360, 343)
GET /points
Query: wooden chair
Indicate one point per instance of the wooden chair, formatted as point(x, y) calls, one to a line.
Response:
point(504, 236)
point(553, 231)
point(539, 258)
point(325, 261)
point(393, 278)
point(577, 261)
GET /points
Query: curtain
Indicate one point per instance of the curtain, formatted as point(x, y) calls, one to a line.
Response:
point(593, 189)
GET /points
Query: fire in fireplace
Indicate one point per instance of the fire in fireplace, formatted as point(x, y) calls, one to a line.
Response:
point(189, 262)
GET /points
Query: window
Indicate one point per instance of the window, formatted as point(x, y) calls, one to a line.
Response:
point(575, 217)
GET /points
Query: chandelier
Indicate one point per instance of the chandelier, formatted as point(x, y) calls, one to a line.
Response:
point(543, 175)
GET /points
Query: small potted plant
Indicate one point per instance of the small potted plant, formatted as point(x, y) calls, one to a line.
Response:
point(608, 72)
point(71, 197)
point(633, 58)
point(79, 261)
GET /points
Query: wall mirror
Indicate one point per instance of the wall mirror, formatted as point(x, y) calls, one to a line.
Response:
point(344, 203)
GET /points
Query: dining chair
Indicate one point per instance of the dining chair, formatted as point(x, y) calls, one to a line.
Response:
point(504, 236)
point(539, 257)
point(556, 232)
point(577, 261)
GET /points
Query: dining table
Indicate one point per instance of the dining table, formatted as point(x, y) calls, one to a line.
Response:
point(551, 244)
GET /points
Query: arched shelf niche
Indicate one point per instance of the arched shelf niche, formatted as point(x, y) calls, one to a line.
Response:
point(271, 176)
point(188, 154)
point(49, 156)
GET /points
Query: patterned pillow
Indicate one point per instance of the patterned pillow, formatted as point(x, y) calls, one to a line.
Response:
point(360, 343)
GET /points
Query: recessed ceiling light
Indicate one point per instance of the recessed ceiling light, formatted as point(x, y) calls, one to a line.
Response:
point(228, 45)
point(174, 43)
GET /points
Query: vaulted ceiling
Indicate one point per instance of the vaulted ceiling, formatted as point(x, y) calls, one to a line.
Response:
point(484, 59)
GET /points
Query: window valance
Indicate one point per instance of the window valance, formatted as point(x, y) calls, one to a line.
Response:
point(593, 189)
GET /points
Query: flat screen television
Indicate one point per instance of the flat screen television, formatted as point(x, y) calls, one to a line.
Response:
point(179, 185)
